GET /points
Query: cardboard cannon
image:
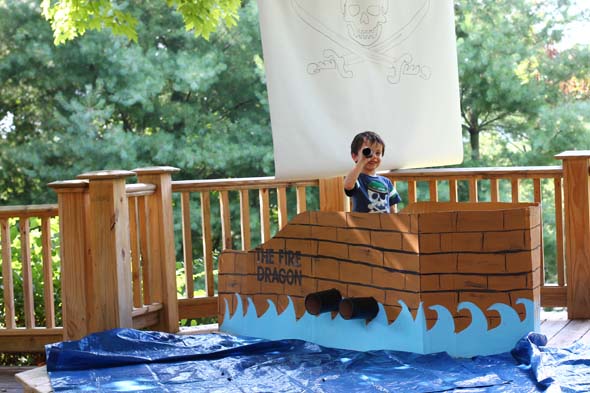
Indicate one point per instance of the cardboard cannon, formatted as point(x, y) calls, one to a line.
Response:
point(463, 278)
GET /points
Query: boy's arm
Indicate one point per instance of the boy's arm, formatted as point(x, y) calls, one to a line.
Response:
point(353, 175)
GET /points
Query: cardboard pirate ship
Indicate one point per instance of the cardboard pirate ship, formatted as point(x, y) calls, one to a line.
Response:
point(457, 277)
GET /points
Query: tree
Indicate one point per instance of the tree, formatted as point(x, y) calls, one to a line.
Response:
point(100, 102)
point(72, 18)
point(504, 47)
point(509, 72)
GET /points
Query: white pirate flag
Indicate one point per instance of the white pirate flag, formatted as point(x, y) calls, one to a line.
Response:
point(338, 67)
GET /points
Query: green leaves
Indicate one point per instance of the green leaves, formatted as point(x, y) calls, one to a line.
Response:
point(99, 102)
point(71, 18)
point(510, 71)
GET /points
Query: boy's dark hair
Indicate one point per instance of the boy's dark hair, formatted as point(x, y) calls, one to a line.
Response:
point(369, 136)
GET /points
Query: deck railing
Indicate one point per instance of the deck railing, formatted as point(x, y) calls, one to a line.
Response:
point(22, 325)
point(521, 184)
point(441, 185)
point(266, 188)
point(120, 266)
point(114, 239)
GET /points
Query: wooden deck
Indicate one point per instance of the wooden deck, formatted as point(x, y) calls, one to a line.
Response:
point(8, 383)
point(560, 332)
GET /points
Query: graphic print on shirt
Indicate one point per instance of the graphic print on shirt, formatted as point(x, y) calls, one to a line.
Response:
point(378, 196)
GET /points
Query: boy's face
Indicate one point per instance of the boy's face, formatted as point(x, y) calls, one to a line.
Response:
point(373, 162)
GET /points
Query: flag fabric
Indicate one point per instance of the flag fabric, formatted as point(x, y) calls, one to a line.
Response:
point(335, 68)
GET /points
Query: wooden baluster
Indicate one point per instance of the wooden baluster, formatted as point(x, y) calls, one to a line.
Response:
point(577, 227)
point(73, 204)
point(187, 243)
point(245, 219)
point(135, 255)
point(145, 251)
point(282, 206)
point(494, 190)
point(537, 197)
point(473, 197)
point(453, 190)
point(9, 320)
point(433, 190)
point(264, 215)
point(332, 197)
point(207, 243)
point(301, 199)
point(515, 186)
point(161, 244)
point(47, 272)
point(25, 247)
point(225, 220)
point(411, 191)
point(559, 232)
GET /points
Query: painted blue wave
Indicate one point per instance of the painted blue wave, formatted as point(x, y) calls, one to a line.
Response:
point(403, 334)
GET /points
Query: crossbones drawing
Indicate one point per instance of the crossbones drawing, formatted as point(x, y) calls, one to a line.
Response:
point(364, 22)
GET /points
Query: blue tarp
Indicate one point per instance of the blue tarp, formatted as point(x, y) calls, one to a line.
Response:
point(131, 360)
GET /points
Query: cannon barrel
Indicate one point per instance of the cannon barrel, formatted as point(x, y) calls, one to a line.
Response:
point(323, 301)
point(359, 308)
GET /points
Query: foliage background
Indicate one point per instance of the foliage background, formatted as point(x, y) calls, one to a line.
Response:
point(102, 102)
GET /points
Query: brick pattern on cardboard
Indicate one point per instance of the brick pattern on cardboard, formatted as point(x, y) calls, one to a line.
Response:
point(461, 253)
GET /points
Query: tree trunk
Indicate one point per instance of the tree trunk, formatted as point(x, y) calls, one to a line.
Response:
point(474, 143)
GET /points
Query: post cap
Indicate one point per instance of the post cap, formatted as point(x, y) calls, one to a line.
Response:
point(156, 170)
point(68, 185)
point(573, 154)
point(106, 175)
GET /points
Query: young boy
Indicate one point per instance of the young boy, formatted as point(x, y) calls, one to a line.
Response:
point(370, 192)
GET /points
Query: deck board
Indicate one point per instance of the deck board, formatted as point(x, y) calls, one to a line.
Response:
point(571, 332)
point(560, 332)
point(585, 339)
point(8, 383)
point(551, 328)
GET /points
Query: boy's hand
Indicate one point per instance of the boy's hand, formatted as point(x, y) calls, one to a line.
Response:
point(367, 164)
point(361, 159)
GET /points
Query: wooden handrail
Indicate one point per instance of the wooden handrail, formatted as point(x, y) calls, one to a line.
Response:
point(139, 189)
point(246, 183)
point(483, 172)
point(48, 210)
point(137, 311)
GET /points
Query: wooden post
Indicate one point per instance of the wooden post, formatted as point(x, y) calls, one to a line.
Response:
point(73, 204)
point(577, 229)
point(108, 276)
point(332, 197)
point(161, 244)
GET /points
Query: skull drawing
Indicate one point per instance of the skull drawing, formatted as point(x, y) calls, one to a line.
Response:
point(365, 19)
point(377, 193)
